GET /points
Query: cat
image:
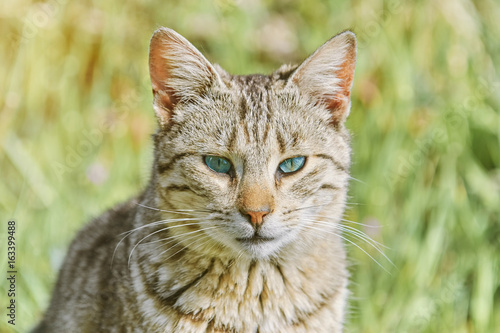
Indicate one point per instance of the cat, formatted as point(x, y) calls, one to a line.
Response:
point(237, 230)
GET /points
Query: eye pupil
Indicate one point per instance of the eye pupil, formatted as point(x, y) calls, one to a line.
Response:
point(217, 163)
point(292, 164)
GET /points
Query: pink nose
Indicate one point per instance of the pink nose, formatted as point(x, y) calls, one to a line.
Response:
point(257, 217)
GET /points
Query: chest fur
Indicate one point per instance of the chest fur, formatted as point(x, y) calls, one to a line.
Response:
point(245, 296)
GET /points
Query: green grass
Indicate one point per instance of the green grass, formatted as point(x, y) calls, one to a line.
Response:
point(75, 119)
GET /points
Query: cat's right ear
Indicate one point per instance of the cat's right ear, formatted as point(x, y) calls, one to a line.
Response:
point(178, 71)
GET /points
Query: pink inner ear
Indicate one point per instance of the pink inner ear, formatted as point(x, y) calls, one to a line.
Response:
point(339, 103)
point(165, 98)
point(177, 70)
point(159, 72)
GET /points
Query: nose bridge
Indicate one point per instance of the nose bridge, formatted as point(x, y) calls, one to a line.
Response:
point(256, 187)
point(256, 197)
point(255, 201)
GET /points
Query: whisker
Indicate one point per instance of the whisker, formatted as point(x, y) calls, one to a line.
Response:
point(363, 224)
point(347, 240)
point(239, 255)
point(360, 235)
point(322, 236)
point(186, 246)
point(152, 224)
point(175, 237)
point(153, 233)
point(302, 208)
point(214, 245)
point(353, 222)
point(177, 211)
point(351, 230)
point(347, 204)
point(166, 221)
point(354, 203)
point(362, 182)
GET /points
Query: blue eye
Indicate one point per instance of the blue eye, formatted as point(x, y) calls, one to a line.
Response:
point(218, 164)
point(292, 164)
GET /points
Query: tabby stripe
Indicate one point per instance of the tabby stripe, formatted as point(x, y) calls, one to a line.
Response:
point(167, 166)
point(304, 181)
point(266, 130)
point(256, 132)
point(320, 306)
point(232, 139)
point(251, 267)
point(164, 191)
point(304, 193)
point(269, 113)
point(269, 108)
point(243, 108)
point(281, 142)
point(278, 267)
point(334, 161)
point(179, 188)
point(245, 131)
point(328, 187)
point(302, 320)
point(150, 288)
point(171, 300)
point(211, 325)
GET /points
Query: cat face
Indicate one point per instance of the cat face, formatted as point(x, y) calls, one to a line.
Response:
point(259, 162)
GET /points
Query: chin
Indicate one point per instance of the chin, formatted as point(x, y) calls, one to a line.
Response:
point(264, 249)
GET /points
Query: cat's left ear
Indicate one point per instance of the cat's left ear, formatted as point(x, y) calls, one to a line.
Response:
point(178, 71)
point(327, 75)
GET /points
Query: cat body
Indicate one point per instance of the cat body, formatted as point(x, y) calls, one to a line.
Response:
point(237, 229)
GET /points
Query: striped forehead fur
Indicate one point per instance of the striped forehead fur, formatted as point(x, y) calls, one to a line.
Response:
point(260, 110)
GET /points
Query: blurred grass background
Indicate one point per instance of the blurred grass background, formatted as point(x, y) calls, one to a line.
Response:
point(76, 119)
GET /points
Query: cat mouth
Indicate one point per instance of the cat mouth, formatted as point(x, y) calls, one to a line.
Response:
point(256, 239)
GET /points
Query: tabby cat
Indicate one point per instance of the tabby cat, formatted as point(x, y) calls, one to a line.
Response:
point(237, 230)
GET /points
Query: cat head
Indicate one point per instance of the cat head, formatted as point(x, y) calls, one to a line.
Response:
point(258, 163)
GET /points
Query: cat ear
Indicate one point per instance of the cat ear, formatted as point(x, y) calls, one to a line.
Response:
point(178, 71)
point(327, 75)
